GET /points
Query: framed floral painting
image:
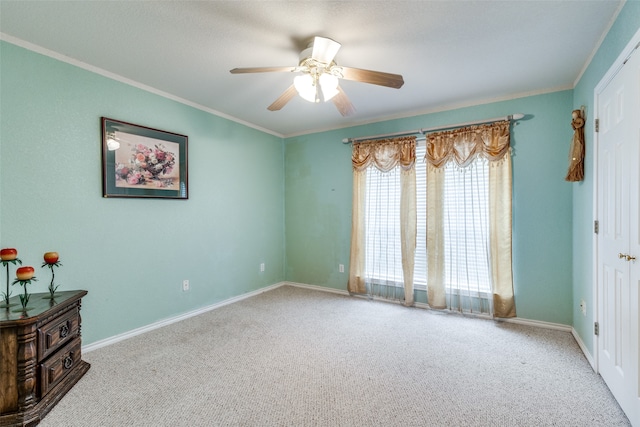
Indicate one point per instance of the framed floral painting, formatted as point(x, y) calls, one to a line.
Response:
point(138, 161)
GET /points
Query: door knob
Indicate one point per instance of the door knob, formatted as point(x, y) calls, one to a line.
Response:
point(621, 255)
point(630, 258)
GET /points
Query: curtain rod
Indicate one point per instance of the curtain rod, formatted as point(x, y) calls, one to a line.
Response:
point(516, 116)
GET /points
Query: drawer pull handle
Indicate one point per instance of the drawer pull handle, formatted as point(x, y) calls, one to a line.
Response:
point(64, 331)
point(68, 362)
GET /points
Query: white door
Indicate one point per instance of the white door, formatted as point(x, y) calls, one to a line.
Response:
point(619, 236)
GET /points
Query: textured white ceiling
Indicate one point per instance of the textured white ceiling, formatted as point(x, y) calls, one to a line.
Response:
point(451, 53)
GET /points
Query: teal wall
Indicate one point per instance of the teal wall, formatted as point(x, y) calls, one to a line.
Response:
point(318, 186)
point(132, 254)
point(623, 30)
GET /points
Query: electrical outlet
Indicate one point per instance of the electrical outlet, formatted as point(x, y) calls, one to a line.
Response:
point(583, 307)
point(341, 268)
point(262, 267)
point(185, 285)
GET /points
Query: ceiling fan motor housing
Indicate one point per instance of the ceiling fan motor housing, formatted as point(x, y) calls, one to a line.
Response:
point(305, 55)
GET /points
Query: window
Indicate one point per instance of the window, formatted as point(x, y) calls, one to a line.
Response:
point(468, 254)
point(382, 224)
point(465, 223)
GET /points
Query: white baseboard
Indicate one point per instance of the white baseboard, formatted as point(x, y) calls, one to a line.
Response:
point(159, 324)
point(584, 349)
point(536, 323)
point(316, 288)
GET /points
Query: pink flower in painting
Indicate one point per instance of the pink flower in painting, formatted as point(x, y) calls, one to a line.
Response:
point(140, 157)
point(134, 178)
point(160, 155)
point(167, 171)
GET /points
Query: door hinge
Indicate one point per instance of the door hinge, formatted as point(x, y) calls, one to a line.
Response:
point(596, 226)
point(596, 328)
point(597, 125)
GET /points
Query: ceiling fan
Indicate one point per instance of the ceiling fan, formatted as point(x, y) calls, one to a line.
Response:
point(320, 74)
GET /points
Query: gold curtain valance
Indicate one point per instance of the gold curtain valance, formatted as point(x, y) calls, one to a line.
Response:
point(462, 146)
point(385, 154)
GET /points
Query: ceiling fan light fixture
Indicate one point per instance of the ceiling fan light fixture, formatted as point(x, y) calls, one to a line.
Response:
point(306, 87)
point(329, 86)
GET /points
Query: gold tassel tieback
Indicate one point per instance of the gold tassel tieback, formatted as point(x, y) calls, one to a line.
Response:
point(576, 154)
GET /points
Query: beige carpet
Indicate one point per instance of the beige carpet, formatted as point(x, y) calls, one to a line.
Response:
point(296, 357)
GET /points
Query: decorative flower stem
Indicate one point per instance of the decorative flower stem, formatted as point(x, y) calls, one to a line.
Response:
point(52, 289)
point(51, 260)
point(7, 293)
point(24, 299)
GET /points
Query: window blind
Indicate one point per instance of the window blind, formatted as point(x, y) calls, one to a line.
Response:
point(466, 227)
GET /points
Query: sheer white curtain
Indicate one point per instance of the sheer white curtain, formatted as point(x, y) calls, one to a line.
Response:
point(469, 220)
point(466, 232)
point(383, 235)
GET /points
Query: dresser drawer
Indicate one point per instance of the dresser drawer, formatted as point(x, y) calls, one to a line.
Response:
point(59, 365)
point(57, 332)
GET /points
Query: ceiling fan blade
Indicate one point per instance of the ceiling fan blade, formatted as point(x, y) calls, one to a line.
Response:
point(342, 103)
point(282, 100)
point(324, 50)
point(373, 77)
point(261, 70)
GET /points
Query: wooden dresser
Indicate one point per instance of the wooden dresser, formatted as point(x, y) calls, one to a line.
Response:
point(40, 356)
